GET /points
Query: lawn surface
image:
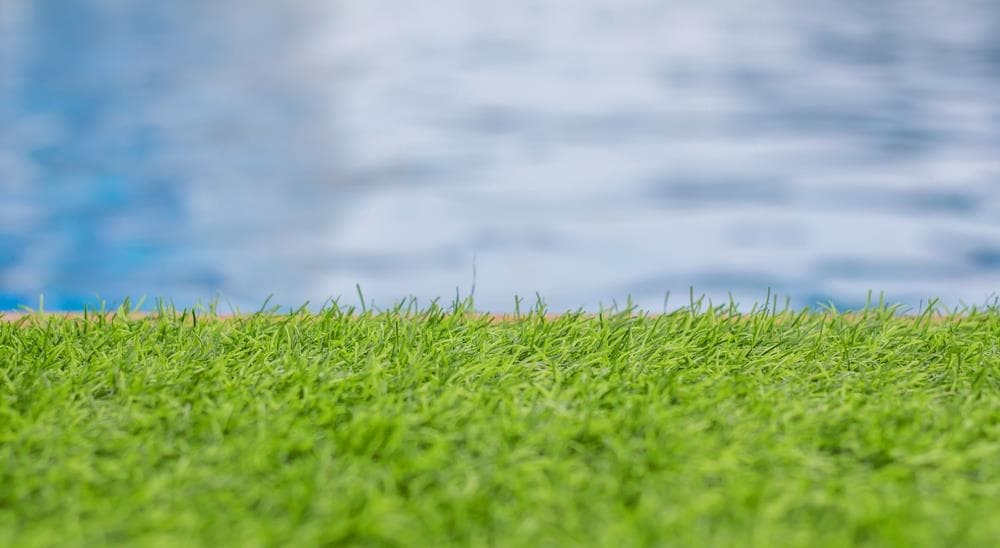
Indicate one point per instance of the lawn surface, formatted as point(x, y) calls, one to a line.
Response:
point(429, 428)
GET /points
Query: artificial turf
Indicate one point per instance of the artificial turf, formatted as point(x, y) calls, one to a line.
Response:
point(442, 427)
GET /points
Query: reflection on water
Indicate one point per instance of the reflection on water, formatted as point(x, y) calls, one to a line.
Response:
point(585, 150)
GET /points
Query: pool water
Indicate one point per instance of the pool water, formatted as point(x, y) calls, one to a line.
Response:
point(584, 150)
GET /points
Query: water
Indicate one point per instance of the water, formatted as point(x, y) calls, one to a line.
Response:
point(585, 150)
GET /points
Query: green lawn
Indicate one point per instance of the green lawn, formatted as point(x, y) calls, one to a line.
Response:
point(427, 428)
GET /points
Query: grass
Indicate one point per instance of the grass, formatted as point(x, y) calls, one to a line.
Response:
point(441, 427)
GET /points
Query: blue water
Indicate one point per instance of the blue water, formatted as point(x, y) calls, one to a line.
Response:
point(585, 150)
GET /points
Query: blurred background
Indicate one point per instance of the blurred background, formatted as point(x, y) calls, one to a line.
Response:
point(586, 150)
